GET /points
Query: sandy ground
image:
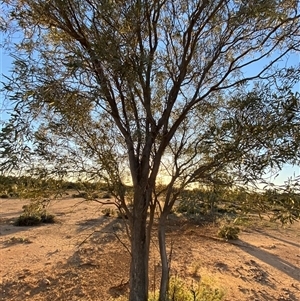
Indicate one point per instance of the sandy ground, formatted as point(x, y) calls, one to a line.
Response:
point(84, 257)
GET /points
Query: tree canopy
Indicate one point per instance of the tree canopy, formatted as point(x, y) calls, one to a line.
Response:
point(197, 91)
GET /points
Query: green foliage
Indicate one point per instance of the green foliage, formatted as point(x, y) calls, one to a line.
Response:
point(111, 88)
point(282, 204)
point(34, 214)
point(90, 195)
point(179, 290)
point(285, 202)
point(19, 240)
point(108, 212)
point(229, 232)
point(8, 185)
point(195, 202)
point(205, 290)
point(245, 221)
point(48, 218)
point(24, 219)
point(83, 185)
point(209, 201)
point(41, 184)
point(195, 269)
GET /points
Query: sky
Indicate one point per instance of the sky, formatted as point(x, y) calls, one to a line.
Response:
point(285, 174)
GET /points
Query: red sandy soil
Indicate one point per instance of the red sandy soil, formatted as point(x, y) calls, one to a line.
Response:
point(83, 257)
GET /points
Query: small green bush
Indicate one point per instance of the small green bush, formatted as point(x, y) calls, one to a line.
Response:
point(19, 240)
point(108, 212)
point(205, 290)
point(34, 214)
point(28, 220)
point(48, 218)
point(191, 207)
point(229, 232)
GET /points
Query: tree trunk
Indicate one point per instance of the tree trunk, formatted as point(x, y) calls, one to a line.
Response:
point(139, 253)
point(164, 283)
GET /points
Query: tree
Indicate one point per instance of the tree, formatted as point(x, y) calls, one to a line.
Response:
point(156, 86)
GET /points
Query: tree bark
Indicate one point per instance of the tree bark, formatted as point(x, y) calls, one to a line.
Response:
point(139, 251)
point(164, 283)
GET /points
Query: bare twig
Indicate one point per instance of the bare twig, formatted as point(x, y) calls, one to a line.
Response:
point(123, 244)
point(91, 234)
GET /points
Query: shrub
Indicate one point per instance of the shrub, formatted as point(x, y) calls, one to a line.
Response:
point(19, 240)
point(180, 291)
point(34, 214)
point(28, 220)
point(197, 203)
point(195, 269)
point(229, 232)
point(48, 218)
point(108, 212)
point(205, 290)
point(190, 207)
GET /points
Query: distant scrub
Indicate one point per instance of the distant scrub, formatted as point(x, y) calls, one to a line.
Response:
point(83, 195)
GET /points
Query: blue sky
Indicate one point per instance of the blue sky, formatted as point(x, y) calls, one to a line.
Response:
point(287, 172)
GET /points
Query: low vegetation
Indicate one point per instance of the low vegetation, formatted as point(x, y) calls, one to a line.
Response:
point(18, 240)
point(208, 203)
point(229, 232)
point(179, 290)
point(37, 185)
point(205, 290)
point(228, 208)
point(109, 212)
point(236, 203)
point(34, 214)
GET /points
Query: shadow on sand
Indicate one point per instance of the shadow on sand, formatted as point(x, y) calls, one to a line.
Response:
point(278, 238)
point(272, 260)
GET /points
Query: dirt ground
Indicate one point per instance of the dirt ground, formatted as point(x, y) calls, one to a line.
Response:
point(84, 257)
